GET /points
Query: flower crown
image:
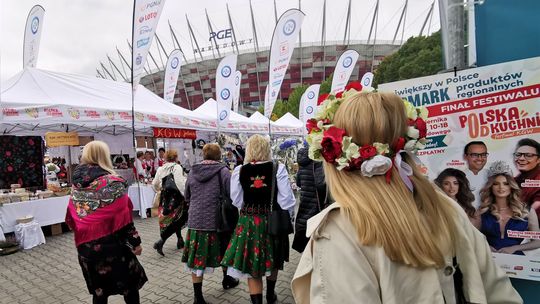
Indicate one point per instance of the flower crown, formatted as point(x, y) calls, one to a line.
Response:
point(332, 144)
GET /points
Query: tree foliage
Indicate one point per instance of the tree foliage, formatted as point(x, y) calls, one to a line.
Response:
point(419, 56)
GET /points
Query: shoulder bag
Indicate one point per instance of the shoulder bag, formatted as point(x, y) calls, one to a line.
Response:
point(279, 220)
point(226, 212)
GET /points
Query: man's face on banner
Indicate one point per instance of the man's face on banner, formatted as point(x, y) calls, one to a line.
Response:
point(476, 157)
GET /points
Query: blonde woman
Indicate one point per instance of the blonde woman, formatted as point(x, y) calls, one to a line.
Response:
point(391, 237)
point(503, 210)
point(253, 253)
point(100, 215)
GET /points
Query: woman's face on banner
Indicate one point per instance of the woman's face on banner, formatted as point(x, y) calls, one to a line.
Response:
point(450, 186)
point(526, 158)
point(501, 187)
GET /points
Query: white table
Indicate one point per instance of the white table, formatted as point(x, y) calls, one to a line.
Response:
point(45, 211)
point(147, 198)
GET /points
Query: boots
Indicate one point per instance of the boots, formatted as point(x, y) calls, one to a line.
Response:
point(180, 243)
point(229, 282)
point(158, 246)
point(256, 298)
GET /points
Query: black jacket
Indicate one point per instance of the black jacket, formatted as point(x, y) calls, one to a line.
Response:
point(310, 178)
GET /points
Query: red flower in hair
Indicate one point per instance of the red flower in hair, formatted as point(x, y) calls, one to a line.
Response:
point(367, 151)
point(355, 163)
point(422, 127)
point(410, 122)
point(399, 145)
point(339, 94)
point(354, 85)
point(312, 125)
point(331, 144)
point(322, 98)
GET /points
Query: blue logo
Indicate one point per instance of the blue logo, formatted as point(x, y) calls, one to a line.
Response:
point(237, 80)
point(226, 71)
point(289, 27)
point(138, 59)
point(273, 93)
point(310, 95)
point(223, 115)
point(145, 30)
point(347, 62)
point(174, 62)
point(309, 109)
point(35, 25)
point(142, 42)
point(367, 81)
point(225, 94)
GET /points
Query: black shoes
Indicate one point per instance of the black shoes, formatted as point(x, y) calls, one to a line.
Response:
point(229, 282)
point(158, 246)
point(180, 243)
point(272, 299)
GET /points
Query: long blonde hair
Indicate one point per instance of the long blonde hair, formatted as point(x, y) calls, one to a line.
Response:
point(257, 149)
point(97, 153)
point(414, 229)
point(519, 211)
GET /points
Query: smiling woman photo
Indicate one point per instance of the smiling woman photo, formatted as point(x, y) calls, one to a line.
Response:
point(454, 183)
point(527, 161)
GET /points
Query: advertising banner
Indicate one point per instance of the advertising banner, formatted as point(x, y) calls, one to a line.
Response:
point(308, 104)
point(344, 68)
point(282, 47)
point(32, 36)
point(367, 79)
point(236, 95)
point(146, 15)
point(59, 139)
point(494, 106)
point(225, 86)
point(174, 133)
point(172, 71)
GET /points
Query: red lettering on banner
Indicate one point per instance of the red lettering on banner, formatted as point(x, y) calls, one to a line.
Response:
point(483, 101)
point(174, 133)
point(10, 112)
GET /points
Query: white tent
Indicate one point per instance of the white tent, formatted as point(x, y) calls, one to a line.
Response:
point(288, 121)
point(37, 100)
point(258, 118)
point(236, 123)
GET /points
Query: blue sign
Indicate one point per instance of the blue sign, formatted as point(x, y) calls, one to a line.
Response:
point(35, 25)
point(347, 61)
point(289, 27)
point(226, 71)
point(225, 94)
point(174, 62)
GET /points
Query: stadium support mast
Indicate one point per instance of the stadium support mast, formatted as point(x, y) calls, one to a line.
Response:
point(430, 12)
point(153, 59)
point(254, 29)
point(173, 34)
point(376, 19)
point(401, 18)
point(275, 11)
point(301, 78)
point(211, 30)
point(192, 38)
point(323, 41)
point(115, 67)
point(107, 71)
point(160, 46)
point(121, 63)
point(233, 32)
point(375, 14)
point(99, 74)
point(347, 33)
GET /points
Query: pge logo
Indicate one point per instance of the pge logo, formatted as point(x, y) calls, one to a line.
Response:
point(347, 62)
point(289, 27)
point(223, 115)
point(226, 71)
point(35, 25)
point(174, 62)
point(138, 59)
point(310, 95)
point(309, 109)
point(225, 94)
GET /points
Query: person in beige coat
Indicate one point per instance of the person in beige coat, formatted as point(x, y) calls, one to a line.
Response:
point(391, 237)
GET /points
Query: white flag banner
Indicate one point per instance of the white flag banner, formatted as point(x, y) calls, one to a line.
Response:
point(283, 42)
point(146, 15)
point(236, 95)
point(171, 75)
point(308, 103)
point(32, 36)
point(367, 80)
point(225, 86)
point(344, 68)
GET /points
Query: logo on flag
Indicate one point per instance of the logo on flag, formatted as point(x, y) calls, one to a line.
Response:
point(289, 27)
point(236, 80)
point(35, 25)
point(347, 62)
point(138, 59)
point(225, 94)
point(174, 63)
point(223, 115)
point(226, 71)
point(309, 109)
point(310, 95)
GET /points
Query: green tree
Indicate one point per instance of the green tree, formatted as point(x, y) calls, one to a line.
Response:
point(326, 85)
point(419, 56)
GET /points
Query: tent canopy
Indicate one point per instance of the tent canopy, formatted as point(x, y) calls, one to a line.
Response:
point(289, 120)
point(44, 100)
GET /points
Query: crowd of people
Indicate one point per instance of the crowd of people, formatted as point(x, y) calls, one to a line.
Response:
point(388, 231)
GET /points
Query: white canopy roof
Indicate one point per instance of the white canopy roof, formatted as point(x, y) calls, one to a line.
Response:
point(39, 99)
point(236, 123)
point(289, 121)
point(258, 117)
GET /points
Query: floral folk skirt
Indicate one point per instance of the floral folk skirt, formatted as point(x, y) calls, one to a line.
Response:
point(252, 252)
point(201, 251)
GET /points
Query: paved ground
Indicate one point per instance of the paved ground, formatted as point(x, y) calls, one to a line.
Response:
point(50, 273)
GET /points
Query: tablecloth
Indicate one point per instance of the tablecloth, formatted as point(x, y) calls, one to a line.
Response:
point(29, 235)
point(45, 211)
point(146, 199)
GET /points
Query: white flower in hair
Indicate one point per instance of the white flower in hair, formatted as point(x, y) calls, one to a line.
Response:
point(413, 132)
point(378, 165)
point(498, 168)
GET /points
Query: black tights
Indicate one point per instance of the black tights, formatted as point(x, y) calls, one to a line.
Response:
point(131, 297)
point(174, 227)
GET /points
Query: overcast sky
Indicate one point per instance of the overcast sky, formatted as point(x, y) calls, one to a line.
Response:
point(78, 34)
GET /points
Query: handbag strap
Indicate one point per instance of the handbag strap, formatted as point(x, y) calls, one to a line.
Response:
point(316, 189)
point(273, 187)
point(220, 183)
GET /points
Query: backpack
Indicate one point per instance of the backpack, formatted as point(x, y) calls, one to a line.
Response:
point(170, 198)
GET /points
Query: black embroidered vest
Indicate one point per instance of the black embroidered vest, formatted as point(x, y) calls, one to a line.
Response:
point(256, 181)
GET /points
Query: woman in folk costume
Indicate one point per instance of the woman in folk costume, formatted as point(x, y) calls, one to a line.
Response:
point(391, 237)
point(172, 210)
point(253, 253)
point(100, 215)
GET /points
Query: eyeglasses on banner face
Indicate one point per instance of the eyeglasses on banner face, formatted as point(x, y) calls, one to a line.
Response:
point(478, 155)
point(527, 156)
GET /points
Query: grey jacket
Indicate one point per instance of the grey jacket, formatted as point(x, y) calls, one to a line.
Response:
point(202, 193)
